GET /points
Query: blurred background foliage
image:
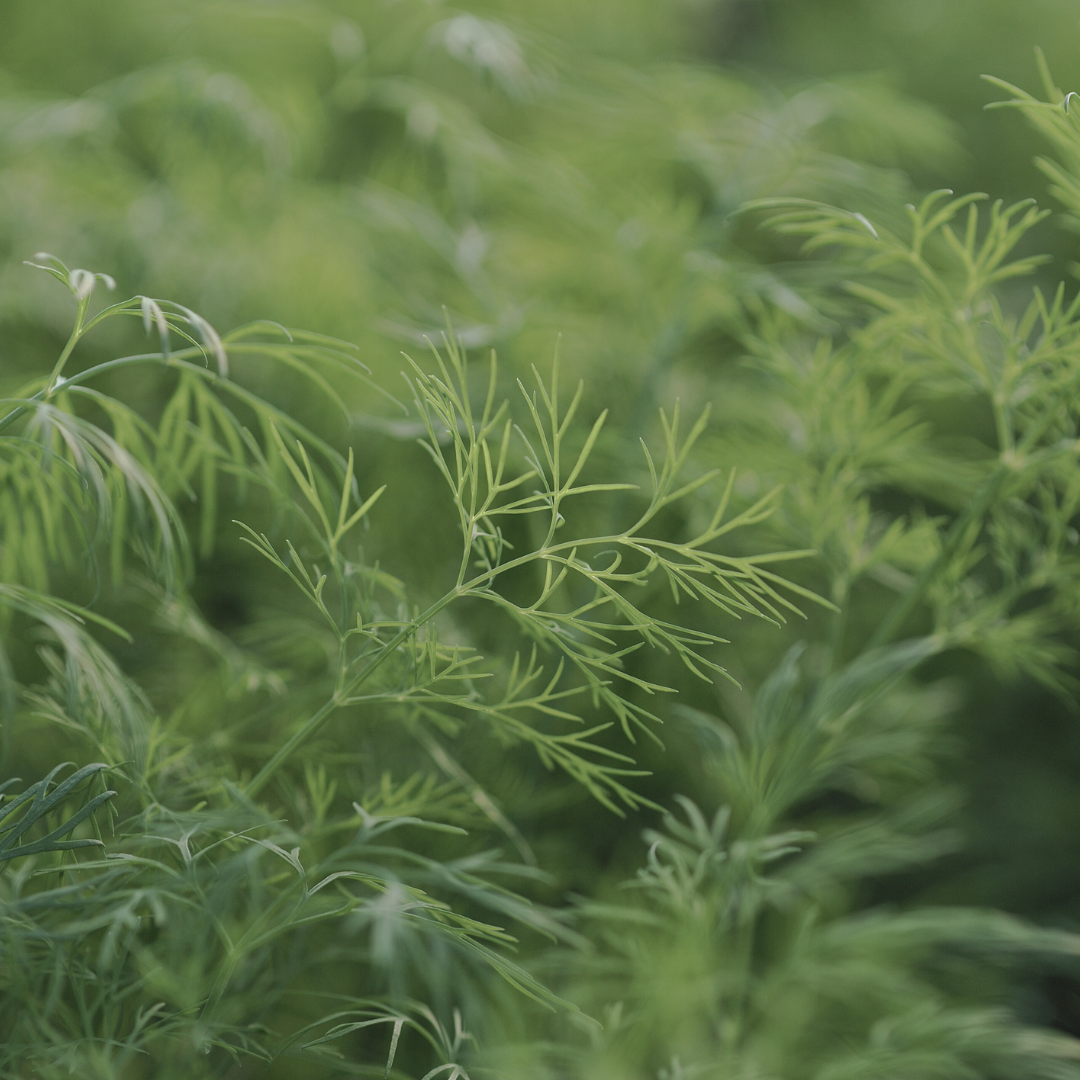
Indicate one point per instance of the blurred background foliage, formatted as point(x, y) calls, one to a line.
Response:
point(565, 175)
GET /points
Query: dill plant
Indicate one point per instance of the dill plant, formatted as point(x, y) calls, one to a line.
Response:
point(192, 939)
point(749, 943)
point(894, 376)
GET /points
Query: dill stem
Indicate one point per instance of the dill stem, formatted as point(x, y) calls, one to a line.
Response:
point(340, 697)
point(906, 604)
point(89, 373)
point(72, 341)
point(313, 724)
point(841, 596)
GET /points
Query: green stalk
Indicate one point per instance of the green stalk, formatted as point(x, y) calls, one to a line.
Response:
point(904, 607)
point(310, 727)
point(841, 595)
point(58, 367)
point(320, 718)
point(89, 373)
point(72, 341)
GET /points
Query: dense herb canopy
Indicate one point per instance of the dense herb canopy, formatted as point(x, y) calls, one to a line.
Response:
point(343, 700)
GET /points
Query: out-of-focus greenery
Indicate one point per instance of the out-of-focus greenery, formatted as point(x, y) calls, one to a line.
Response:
point(934, 52)
point(716, 204)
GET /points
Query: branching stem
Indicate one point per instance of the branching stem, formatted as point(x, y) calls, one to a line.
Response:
point(316, 722)
point(906, 604)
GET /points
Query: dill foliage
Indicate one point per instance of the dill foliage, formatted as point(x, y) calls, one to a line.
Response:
point(340, 718)
point(201, 898)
